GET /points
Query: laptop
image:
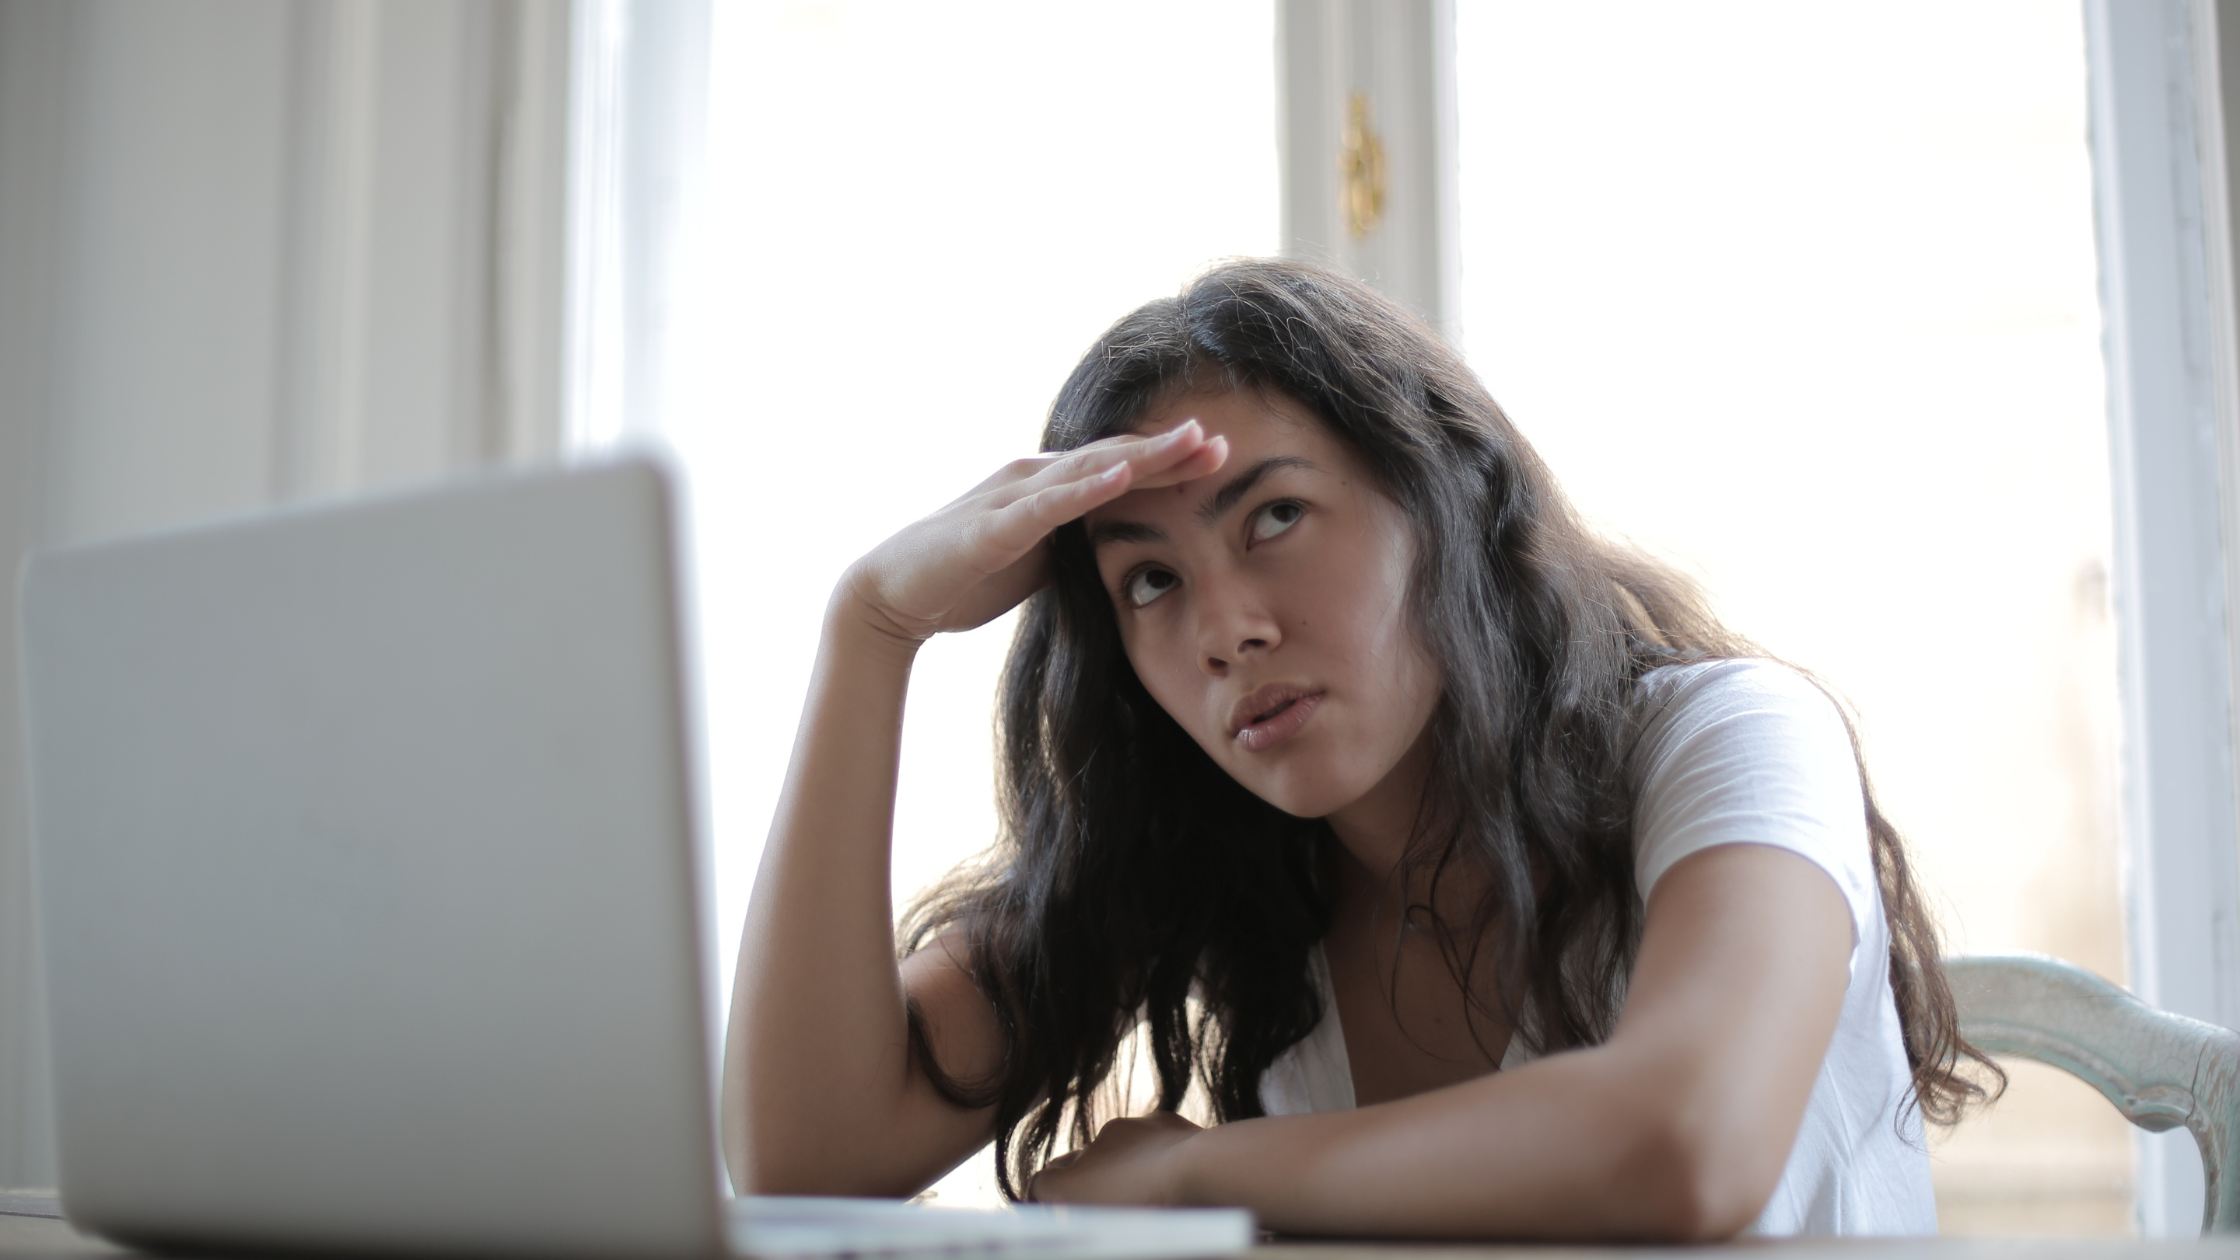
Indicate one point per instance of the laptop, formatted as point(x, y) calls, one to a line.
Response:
point(373, 893)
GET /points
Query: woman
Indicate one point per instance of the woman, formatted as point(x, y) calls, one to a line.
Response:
point(1484, 882)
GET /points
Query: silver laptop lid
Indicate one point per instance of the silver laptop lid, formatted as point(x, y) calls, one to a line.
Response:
point(366, 861)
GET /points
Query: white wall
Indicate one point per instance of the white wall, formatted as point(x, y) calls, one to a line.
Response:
point(252, 250)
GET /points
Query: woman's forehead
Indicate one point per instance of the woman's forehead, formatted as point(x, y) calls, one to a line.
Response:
point(1243, 415)
point(1269, 436)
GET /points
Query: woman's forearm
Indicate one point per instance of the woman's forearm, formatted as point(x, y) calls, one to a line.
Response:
point(1677, 1128)
point(816, 1071)
point(1573, 1146)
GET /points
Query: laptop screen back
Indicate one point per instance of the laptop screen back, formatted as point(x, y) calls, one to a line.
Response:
point(366, 860)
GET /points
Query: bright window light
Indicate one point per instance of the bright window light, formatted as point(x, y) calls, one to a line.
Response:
point(914, 219)
point(1803, 297)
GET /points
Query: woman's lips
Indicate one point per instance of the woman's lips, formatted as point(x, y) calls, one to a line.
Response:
point(1274, 719)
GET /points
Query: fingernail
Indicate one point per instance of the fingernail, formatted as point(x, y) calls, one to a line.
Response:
point(1175, 434)
point(1114, 473)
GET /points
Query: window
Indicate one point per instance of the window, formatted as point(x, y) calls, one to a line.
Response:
point(915, 219)
point(1805, 300)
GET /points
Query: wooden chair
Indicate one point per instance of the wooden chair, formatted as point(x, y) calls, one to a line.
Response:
point(2160, 1070)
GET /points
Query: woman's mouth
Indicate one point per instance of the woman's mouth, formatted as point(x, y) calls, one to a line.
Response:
point(1272, 714)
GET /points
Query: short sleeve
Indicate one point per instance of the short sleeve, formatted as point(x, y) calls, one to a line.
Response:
point(1749, 752)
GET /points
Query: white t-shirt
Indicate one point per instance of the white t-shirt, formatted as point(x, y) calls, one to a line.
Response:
point(1747, 752)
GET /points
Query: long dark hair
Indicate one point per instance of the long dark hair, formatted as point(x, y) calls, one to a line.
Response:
point(1135, 880)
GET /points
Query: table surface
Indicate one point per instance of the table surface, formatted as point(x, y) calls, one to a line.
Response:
point(42, 1238)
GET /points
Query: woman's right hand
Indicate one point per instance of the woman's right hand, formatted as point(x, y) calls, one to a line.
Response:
point(821, 1091)
point(973, 560)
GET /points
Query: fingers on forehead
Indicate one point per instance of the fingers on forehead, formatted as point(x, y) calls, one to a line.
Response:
point(1096, 454)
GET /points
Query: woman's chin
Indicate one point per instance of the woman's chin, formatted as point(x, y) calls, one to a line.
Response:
point(1302, 792)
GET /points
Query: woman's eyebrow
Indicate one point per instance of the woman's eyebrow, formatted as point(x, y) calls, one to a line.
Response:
point(1241, 484)
point(1223, 499)
point(1123, 532)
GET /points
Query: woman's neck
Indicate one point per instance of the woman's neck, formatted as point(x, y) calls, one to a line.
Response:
point(1382, 830)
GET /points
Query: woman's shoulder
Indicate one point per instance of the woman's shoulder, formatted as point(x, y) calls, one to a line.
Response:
point(1731, 681)
point(1746, 750)
point(1746, 699)
point(1735, 711)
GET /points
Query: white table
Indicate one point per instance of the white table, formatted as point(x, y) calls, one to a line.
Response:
point(41, 1238)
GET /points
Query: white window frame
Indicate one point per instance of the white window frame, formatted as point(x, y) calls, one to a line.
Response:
point(1398, 56)
point(2160, 189)
point(637, 119)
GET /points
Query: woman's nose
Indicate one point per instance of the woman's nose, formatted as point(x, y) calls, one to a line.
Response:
point(1234, 624)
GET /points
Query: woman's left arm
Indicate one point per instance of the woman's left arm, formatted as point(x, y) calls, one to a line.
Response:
point(1677, 1127)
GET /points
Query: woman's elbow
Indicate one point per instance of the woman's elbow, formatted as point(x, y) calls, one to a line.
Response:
point(1707, 1207)
point(1698, 1182)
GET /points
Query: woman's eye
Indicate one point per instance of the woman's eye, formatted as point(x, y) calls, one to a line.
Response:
point(1143, 587)
point(1274, 519)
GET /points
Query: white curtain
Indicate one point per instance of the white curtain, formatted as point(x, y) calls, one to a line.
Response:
point(255, 250)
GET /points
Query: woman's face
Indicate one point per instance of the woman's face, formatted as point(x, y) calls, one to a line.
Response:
point(1265, 605)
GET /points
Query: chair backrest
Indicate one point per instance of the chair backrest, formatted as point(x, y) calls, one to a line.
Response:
point(2160, 1070)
